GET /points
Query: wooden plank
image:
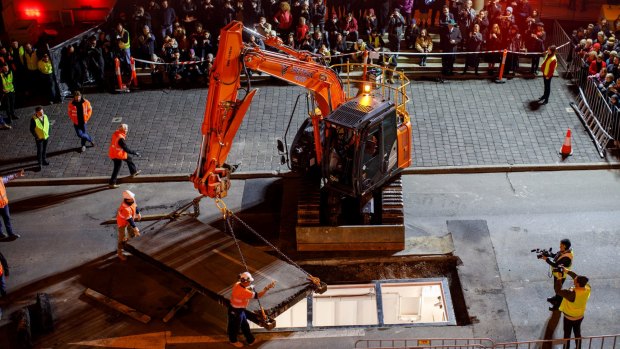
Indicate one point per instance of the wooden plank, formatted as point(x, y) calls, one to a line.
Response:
point(209, 261)
point(105, 300)
point(351, 238)
point(176, 308)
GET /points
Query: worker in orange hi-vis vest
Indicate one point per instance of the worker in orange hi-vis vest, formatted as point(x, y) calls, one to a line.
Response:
point(242, 292)
point(127, 215)
point(4, 205)
point(80, 111)
point(548, 68)
point(118, 152)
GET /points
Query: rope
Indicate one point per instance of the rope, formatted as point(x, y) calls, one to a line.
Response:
point(229, 214)
point(228, 218)
point(174, 214)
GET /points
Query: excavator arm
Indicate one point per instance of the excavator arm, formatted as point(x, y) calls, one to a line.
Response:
point(224, 111)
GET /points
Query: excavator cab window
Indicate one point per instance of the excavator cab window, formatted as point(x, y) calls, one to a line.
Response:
point(379, 152)
point(371, 169)
point(341, 155)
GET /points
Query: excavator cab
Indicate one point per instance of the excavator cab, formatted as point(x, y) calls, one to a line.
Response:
point(361, 146)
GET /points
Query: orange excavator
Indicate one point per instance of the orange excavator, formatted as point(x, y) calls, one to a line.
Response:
point(350, 150)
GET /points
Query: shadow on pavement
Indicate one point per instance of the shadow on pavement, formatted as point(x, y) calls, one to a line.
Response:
point(43, 201)
point(34, 157)
point(76, 317)
point(534, 105)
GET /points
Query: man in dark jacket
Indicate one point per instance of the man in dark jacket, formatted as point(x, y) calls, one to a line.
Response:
point(396, 29)
point(4, 273)
point(119, 152)
point(450, 40)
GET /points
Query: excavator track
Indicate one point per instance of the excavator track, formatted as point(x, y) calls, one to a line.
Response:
point(392, 208)
point(309, 204)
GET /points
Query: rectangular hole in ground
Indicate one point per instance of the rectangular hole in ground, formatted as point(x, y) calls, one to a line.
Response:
point(408, 292)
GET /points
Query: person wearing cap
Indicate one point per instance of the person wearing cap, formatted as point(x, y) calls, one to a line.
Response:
point(548, 68)
point(242, 292)
point(506, 20)
point(40, 130)
point(119, 152)
point(450, 40)
point(610, 44)
point(80, 112)
point(4, 205)
point(126, 216)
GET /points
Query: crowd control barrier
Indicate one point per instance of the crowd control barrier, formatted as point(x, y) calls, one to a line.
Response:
point(591, 342)
point(602, 120)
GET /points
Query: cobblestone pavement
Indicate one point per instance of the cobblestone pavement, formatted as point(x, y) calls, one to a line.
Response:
point(456, 123)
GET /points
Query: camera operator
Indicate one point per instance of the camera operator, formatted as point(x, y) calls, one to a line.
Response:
point(563, 258)
point(573, 305)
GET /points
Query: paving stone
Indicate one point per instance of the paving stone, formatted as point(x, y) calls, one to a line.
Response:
point(459, 122)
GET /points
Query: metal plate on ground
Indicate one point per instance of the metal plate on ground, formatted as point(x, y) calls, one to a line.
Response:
point(209, 260)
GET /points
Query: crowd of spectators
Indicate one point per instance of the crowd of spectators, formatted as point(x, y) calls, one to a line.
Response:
point(598, 50)
point(177, 31)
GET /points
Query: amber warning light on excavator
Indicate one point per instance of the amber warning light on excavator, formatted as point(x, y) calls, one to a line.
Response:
point(367, 88)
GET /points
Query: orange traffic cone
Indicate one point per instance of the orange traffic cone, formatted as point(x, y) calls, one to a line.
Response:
point(567, 149)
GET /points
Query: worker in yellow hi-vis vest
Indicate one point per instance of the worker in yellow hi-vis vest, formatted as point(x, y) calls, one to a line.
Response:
point(548, 69)
point(40, 129)
point(573, 306)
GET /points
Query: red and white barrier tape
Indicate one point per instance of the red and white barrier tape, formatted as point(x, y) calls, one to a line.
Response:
point(170, 63)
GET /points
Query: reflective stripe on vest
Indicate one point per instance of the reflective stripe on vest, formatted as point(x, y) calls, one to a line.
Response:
point(1, 269)
point(377, 43)
point(575, 310)
point(86, 107)
point(45, 67)
point(125, 45)
point(4, 199)
point(7, 81)
point(547, 64)
point(124, 213)
point(240, 296)
point(115, 151)
point(31, 61)
point(570, 256)
point(42, 128)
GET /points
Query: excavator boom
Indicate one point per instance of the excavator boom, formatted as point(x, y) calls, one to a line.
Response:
point(224, 111)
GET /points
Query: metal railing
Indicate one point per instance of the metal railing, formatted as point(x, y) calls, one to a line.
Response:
point(594, 342)
point(602, 120)
point(591, 342)
point(422, 343)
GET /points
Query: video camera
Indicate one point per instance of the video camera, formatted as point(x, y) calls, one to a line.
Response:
point(541, 252)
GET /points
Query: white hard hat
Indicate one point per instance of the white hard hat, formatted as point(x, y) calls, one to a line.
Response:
point(246, 277)
point(128, 195)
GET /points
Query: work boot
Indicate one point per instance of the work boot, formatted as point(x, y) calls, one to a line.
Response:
point(135, 174)
point(14, 236)
point(113, 186)
point(83, 149)
point(45, 163)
